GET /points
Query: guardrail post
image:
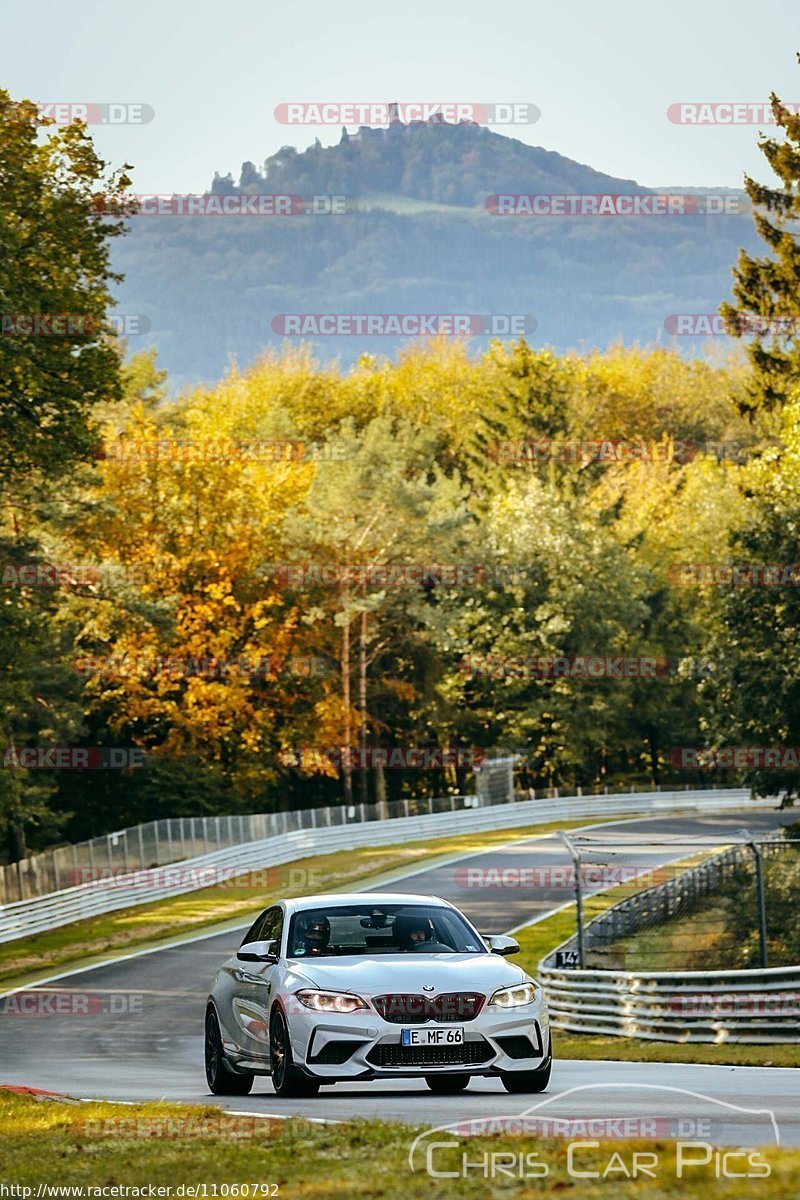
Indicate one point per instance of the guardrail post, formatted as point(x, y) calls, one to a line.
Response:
point(762, 908)
point(576, 860)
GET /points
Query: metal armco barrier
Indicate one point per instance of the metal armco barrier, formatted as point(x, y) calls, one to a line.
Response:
point(143, 887)
point(677, 1006)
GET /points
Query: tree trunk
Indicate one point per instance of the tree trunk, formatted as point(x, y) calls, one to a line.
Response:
point(17, 842)
point(347, 766)
point(363, 791)
point(653, 748)
point(380, 790)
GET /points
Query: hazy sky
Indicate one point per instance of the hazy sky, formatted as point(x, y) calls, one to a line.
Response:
point(603, 74)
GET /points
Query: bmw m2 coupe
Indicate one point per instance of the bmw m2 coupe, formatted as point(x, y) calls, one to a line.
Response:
point(373, 986)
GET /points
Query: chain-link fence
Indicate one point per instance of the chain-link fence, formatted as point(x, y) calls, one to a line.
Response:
point(158, 843)
point(709, 910)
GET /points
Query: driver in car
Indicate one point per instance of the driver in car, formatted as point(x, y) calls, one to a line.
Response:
point(313, 934)
point(411, 932)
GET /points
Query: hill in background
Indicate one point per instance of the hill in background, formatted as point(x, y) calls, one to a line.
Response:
point(419, 241)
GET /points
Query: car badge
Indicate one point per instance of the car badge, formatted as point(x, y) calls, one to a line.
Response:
point(428, 987)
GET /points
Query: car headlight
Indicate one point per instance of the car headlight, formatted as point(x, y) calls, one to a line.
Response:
point(513, 997)
point(252, 1022)
point(331, 1002)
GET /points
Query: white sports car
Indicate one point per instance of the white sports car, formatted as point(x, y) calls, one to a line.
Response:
point(373, 986)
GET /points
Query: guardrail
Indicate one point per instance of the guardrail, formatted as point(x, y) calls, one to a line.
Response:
point(173, 839)
point(50, 911)
point(752, 1006)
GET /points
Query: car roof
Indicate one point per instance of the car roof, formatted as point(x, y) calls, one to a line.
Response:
point(340, 899)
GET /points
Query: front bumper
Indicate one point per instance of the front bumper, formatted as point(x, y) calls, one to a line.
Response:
point(365, 1046)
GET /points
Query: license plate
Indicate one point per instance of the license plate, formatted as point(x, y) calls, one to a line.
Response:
point(432, 1037)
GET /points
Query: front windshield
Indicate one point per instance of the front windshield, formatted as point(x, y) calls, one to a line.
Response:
point(370, 929)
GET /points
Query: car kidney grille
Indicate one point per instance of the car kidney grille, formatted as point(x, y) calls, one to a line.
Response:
point(402, 1008)
point(395, 1055)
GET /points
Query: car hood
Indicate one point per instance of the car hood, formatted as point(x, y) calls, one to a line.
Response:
point(411, 973)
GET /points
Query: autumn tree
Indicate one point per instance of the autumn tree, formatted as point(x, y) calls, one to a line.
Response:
point(58, 363)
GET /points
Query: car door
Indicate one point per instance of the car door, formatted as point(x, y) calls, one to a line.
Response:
point(255, 981)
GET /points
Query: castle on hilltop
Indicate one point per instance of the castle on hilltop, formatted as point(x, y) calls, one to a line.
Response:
point(395, 126)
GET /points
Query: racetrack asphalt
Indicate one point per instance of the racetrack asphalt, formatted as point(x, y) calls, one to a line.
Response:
point(152, 1047)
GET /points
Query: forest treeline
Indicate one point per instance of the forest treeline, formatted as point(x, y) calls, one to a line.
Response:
point(491, 554)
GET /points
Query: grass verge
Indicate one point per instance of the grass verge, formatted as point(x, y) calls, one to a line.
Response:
point(97, 1145)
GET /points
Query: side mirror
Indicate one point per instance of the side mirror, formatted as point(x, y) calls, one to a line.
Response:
point(263, 952)
point(498, 944)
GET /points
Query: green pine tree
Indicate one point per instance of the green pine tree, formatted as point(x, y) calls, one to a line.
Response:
point(767, 290)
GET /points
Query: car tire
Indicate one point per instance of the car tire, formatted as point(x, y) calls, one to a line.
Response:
point(221, 1078)
point(287, 1080)
point(527, 1081)
point(447, 1085)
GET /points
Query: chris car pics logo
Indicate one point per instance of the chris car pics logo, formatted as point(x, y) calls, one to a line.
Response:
point(676, 1134)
